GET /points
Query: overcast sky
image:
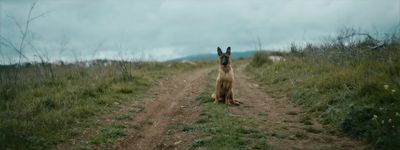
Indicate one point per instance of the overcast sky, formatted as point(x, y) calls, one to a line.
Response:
point(165, 29)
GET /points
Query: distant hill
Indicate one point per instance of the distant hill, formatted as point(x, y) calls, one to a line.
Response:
point(213, 56)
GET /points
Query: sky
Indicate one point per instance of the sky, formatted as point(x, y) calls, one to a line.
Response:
point(166, 29)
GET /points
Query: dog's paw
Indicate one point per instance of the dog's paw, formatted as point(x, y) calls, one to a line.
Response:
point(234, 102)
point(237, 101)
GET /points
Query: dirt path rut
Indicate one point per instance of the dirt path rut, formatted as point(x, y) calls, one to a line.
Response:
point(172, 101)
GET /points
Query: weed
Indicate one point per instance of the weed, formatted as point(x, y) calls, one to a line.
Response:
point(292, 113)
point(198, 143)
point(108, 134)
point(125, 116)
point(312, 129)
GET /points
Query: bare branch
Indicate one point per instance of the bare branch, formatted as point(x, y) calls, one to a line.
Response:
point(9, 44)
point(24, 31)
point(40, 15)
point(36, 50)
point(27, 25)
point(16, 23)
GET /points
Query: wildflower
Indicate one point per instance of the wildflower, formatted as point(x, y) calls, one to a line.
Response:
point(386, 86)
point(383, 121)
point(397, 114)
point(375, 117)
point(392, 126)
point(393, 90)
point(390, 120)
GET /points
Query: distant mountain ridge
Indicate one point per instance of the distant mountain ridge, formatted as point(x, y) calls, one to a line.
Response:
point(213, 56)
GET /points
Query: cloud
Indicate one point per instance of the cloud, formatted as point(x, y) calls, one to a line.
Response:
point(167, 29)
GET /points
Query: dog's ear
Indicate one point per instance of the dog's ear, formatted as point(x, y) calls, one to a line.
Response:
point(219, 51)
point(228, 50)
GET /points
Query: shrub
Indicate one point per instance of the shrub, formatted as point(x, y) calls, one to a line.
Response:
point(260, 58)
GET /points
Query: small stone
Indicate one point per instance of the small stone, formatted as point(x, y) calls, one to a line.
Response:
point(178, 142)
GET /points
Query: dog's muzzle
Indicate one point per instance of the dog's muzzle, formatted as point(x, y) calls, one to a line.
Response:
point(224, 61)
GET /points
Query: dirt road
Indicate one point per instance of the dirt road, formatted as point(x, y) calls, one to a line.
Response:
point(172, 101)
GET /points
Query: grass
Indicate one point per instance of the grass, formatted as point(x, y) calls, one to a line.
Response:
point(108, 134)
point(38, 111)
point(105, 138)
point(125, 116)
point(352, 89)
point(179, 127)
point(311, 129)
point(220, 130)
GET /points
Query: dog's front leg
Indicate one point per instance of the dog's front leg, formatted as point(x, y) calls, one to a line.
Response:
point(227, 100)
point(217, 92)
point(229, 97)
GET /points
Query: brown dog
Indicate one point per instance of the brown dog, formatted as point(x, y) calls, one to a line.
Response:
point(224, 86)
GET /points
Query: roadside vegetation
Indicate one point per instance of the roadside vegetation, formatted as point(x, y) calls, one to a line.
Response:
point(350, 83)
point(44, 104)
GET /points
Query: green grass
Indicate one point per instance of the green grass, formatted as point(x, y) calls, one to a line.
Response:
point(38, 112)
point(108, 135)
point(343, 88)
point(105, 138)
point(179, 127)
point(218, 129)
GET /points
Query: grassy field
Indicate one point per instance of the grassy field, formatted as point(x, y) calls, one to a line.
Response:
point(350, 88)
point(43, 105)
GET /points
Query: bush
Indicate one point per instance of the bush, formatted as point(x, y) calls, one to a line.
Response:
point(260, 58)
point(378, 125)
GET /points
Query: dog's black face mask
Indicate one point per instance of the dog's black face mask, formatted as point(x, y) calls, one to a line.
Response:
point(224, 57)
point(224, 60)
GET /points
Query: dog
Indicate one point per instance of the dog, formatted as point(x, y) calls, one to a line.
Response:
point(224, 85)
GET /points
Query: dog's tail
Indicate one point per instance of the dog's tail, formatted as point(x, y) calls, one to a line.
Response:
point(213, 95)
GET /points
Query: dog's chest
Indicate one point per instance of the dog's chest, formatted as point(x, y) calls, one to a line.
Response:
point(225, 76)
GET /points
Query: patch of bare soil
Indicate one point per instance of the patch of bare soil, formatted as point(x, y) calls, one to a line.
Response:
point(284, 122)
